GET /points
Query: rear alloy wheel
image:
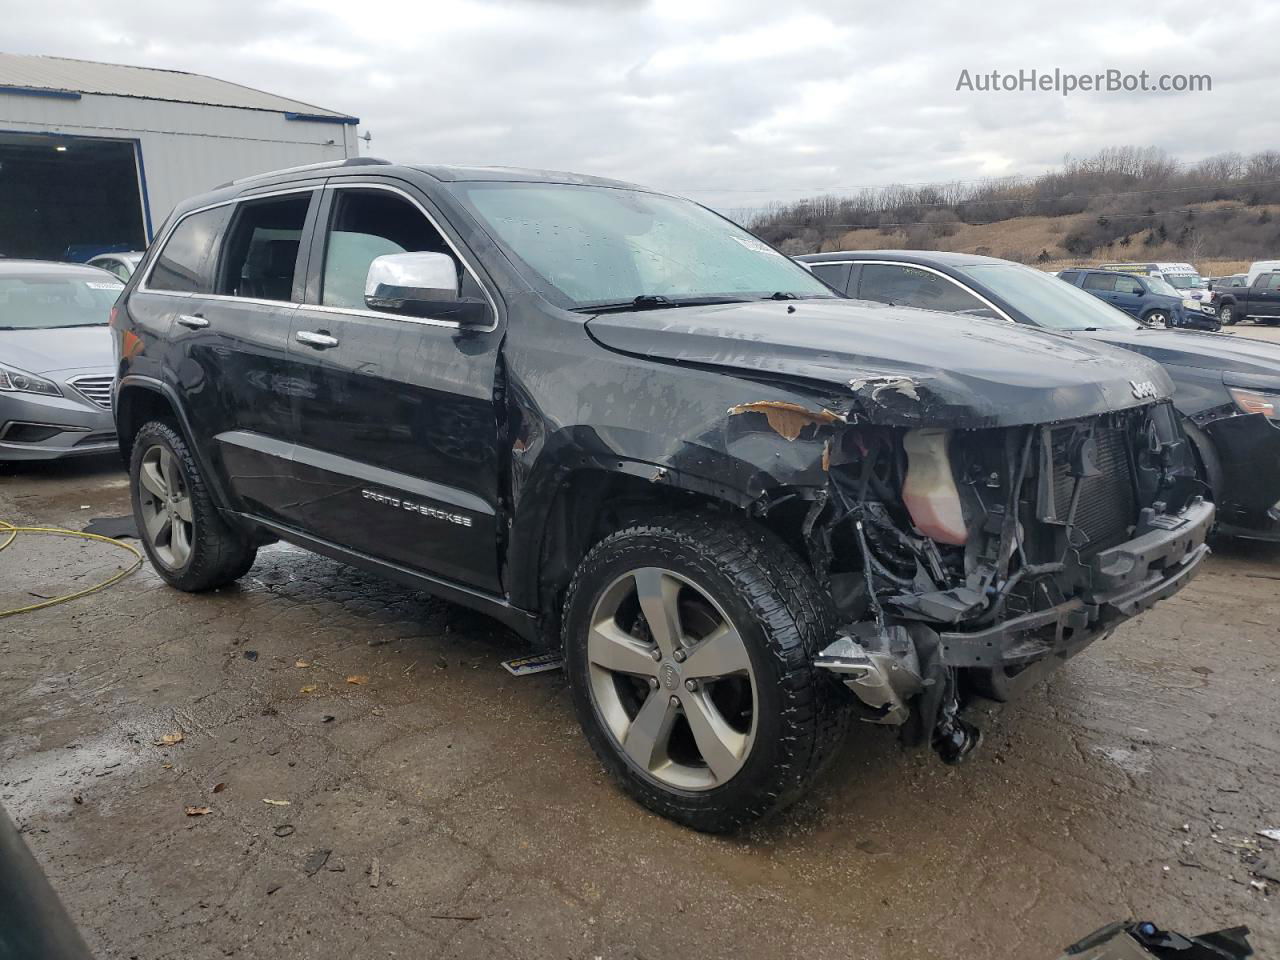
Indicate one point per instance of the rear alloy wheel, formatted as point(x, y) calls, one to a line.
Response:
point(689, 648)
point(165, 506)
point(1226, 315)
point(189, 543)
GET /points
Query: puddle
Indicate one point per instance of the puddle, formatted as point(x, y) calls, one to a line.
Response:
point(49, 780)
point(1135, 762)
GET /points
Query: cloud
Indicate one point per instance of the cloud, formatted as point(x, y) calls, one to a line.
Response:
point(735, 103)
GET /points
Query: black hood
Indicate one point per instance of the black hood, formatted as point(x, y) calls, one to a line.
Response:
point(898, 365)
point(1230, 353)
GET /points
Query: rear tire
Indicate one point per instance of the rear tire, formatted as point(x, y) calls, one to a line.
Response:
point(778, 721)
point(189, 543)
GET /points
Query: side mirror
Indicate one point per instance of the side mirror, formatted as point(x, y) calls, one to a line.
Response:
point(421, 285)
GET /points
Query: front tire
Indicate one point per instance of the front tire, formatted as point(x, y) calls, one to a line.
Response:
point(1227, 315)
point(689, 648)
point(188, 542)
point(1157, 318)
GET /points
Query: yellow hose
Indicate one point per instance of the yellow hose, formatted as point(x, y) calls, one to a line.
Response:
point(14, 531)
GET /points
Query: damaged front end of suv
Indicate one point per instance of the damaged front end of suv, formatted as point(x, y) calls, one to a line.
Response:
point(966, 559)
point(978, 508)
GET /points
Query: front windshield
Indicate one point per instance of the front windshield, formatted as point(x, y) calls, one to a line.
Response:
point(1048, 301)
point(589, 246)
point(1184, 281)
point(1160, 286)
point(41, 302)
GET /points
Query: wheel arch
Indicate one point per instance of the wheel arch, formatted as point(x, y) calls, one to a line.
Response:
point(1207, 458)
point(589, 502)
point(140, 400)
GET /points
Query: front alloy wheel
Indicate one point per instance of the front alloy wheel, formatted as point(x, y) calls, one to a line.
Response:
point(1226, 314)
point(689, 643)
point(165, 507)
point(671, 679)
point(1158, 318)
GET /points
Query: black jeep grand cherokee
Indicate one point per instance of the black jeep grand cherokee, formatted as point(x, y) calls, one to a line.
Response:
point(621, 424)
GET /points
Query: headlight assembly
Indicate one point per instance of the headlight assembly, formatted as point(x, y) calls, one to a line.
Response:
point(15, 381)
point(1256, 401)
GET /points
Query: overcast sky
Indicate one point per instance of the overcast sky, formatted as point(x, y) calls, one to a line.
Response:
point(737, 103)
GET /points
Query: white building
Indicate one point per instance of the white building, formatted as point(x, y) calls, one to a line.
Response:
point(95, 155)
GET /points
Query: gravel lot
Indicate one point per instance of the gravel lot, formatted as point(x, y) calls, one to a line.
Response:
point(1131, 784)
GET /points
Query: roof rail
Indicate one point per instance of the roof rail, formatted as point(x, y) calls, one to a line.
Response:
point(348, 162)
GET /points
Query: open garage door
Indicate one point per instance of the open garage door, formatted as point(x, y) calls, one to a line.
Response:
point(68, 198)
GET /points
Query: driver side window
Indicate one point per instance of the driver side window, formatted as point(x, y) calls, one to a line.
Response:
point(367, 224)
point(1128, 285)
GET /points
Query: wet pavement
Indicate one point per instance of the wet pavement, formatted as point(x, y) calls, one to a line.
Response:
point(426, 804)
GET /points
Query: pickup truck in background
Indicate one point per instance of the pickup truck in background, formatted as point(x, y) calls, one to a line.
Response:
point(1259, 301)
point(1232, 282)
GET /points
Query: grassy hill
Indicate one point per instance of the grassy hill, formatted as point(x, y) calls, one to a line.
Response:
point(1126, 203)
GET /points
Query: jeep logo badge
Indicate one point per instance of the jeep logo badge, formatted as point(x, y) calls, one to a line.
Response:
point(1144, 389)
point(670, 676)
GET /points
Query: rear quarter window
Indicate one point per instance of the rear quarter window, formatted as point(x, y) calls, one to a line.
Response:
point(833, 274)
point(185, 263)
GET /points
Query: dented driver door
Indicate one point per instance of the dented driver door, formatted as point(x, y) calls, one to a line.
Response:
point(397, 433)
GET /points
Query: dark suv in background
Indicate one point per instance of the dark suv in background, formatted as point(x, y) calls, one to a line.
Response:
point(1152, 300)
point(627, 428)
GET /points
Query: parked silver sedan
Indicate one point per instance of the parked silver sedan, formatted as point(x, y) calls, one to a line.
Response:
point(121, 264)
point(56, 363)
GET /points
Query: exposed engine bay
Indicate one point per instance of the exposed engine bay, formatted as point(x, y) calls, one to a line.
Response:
point(966, 561)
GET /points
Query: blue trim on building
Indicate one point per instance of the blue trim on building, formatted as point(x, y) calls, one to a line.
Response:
point(40, 92)
point(320, 118)
point(142, 186)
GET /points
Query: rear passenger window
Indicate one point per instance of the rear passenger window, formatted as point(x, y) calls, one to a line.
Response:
point(260, 255)
point(365, 225)
point(833, 274)
point(891, 284)
point(1100, 281)
point(184, 264)
point(912, 287)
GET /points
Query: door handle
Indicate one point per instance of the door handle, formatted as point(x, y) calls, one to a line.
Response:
point(192, 321)
point(321, 341)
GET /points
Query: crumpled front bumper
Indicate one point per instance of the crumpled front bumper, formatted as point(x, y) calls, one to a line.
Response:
point(1119, 583)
